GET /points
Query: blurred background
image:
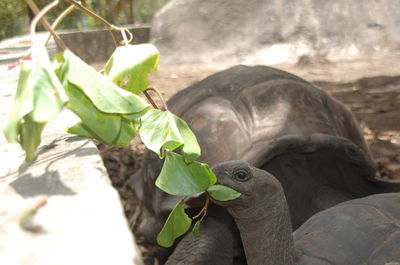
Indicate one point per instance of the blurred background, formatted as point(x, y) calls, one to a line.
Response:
point(227, 32)
point(350, 48)
point(15, 15)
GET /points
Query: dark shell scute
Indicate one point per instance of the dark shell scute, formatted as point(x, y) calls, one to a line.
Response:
point(362, 231)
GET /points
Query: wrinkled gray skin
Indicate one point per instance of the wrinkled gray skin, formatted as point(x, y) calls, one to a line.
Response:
point(278, 122)
point(362, 231)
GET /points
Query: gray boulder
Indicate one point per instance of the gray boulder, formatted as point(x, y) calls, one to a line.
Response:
point(267, 32)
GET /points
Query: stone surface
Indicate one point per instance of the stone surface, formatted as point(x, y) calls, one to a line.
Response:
point(95, 46)
point(269, 32)
point(83, 220)
point(12, 49)
point(92, 46)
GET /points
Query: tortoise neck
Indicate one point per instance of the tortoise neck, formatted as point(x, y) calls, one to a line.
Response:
point(267, 239)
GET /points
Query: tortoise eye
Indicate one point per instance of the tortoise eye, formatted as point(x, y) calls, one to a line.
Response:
point(241, 175)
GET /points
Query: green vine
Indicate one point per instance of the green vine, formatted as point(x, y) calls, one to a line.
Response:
point(111, 111)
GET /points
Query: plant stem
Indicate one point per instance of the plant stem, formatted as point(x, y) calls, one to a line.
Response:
point(150, 99)
point(203, 210)
point(165, 107)
point(57, 22)
point(126, 40)
point(110, 26)
point(39, 16)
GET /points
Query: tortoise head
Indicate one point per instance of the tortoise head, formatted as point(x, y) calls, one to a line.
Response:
point(258, 188)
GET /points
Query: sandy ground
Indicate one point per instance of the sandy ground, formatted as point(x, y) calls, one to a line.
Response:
point(370, 88)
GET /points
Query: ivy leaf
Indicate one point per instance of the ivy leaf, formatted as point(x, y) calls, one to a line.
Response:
point(128, 131)
point(191, 148)
point(39, 98)
point(102, 92)
point(178, 178)
point(222, 193)
point(178, 223)
point(196, 228)
point(162, 129)
point(82, 130)
point(104, 126)
point(107, 128)
point(107, 112)
point(132, 63)
point(29, 137)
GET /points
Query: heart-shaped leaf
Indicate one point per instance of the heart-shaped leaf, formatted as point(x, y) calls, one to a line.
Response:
point(132, 63)
point(40, 96)
point(164, 130)
point(126, 133)
point(222, 193)
point(196, 228)
point(178, 178)
point(104, 94)
point(107, 112)
point(177, 224)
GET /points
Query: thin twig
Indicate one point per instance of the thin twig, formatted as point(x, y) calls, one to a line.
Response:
point(60, 18)
point(165, 107)
point(49, 27)
point(126, 41)
point(205, 208)
point(36, 11)
point(39, 16)
point(203, 211)
point(150, 99)
point(124, 38)
point(110, 26)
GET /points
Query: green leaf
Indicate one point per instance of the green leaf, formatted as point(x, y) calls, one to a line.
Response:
point(81, 130)
point(105, 126)
point(162, 129)
point(127, 132)
point(132, 63)
point(49, 96)
point(107, 112)
point(178, 178)
point(30, 136)
point(102, 92)
point(196, 228)
point(23, 104)
point(39, 98)
point(222, 193)
point(191, 148)
point(178, 223)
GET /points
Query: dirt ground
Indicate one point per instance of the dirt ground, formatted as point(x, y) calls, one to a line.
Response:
point(370, 88)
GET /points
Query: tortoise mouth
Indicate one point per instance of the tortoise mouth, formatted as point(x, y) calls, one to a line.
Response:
point(225, 203)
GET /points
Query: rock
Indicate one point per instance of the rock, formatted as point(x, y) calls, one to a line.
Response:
point(100, 42)
point(267, 32)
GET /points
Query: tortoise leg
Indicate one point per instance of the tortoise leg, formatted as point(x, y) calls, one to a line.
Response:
point(214, 245)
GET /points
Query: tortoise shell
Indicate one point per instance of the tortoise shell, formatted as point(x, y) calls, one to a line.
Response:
point(361, 231)
point(276, 121)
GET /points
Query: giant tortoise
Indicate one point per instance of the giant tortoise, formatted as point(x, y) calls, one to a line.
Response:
point(278, 122)
point(360, 231)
